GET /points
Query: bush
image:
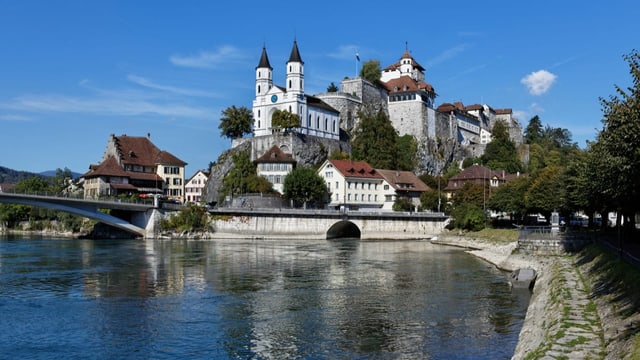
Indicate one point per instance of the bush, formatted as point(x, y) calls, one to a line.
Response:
point(468, 217)
point(190, 218)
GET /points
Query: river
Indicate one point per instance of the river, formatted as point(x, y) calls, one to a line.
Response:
point(252, 299)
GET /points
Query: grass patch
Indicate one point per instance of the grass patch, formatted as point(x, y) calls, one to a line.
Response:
point(495, 235)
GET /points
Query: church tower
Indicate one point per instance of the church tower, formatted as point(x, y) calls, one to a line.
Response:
point(264, 74)
point(295, 71)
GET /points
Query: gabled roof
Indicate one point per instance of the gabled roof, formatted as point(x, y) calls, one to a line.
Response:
point(457, 108)
point(318, 103)
point(406, 83)
point(403, 180)
point(139, 150)
point(275, 155)
point(110, 167)
point(355, 169)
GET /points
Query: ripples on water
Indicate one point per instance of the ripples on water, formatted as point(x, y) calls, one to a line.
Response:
point(241, 299)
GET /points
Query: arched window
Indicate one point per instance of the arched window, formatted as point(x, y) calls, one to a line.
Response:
point(289, 84)
point(318, 122)
point(258, 89)
point(258, 113)
point(334, 126)
point(326, 124)
point(309, 121)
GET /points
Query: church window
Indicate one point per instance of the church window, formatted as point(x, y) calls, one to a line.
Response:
point(258, 123)
point(289, 108)
point(326, 124)
point(334, 126)
point(258, 113)
point(290, 68)
point(309, 121)
point(258, 89)
point(318, 122)
point(289, 84)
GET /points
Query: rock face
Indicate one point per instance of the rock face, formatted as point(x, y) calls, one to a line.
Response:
point(219, 170)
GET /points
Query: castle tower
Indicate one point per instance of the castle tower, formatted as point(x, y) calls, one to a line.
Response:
point(264, 74)
point(295, 71)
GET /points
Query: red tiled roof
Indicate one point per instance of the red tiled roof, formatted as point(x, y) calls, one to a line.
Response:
point(506, 111)
point(406, 83)
point(275, 155)
point(355, 169)
point(405, 55)
point(108, 167)
point(139, 150)
point(401, 179)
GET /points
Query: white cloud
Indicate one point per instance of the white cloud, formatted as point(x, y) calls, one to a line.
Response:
point(207, 59)
point(118, 106)
point(14, 117)
point(536, 108)
point(539, 82)
point(168, 88)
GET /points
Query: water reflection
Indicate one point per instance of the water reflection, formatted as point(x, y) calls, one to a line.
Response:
point(256, 299)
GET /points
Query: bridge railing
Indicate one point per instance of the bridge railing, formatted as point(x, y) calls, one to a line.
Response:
point(80, 196)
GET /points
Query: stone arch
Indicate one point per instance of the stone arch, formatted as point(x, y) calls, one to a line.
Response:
point(343, 229)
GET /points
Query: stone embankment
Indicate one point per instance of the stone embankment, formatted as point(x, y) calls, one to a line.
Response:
point(562, 321)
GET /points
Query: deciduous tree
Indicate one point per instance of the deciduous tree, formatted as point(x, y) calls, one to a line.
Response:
point(303, 185)
point(235, 122)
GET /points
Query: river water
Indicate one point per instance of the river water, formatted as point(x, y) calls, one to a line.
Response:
point(252, 299)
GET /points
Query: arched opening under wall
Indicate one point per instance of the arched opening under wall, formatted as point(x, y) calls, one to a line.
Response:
point(343, 229)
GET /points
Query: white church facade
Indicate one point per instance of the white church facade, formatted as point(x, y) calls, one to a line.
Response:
point(317, 118)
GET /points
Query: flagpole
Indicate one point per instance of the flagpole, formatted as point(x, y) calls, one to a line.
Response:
point(357, 61)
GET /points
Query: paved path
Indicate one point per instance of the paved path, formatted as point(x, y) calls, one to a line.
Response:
point(578, 333)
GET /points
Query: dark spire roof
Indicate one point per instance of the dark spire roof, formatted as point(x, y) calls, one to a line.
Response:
point(295, 53)
point(264, 60)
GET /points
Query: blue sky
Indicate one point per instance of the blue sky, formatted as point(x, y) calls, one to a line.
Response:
point(73, 72)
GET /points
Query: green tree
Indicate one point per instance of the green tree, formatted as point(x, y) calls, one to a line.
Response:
point(235, 122)
point(407, 153)
point(339, 155)
point(235, 182)
point(501, 152)
point(303, 185)
point(332, 88)
point(468, 217)
point(618, 146)
point(375, 141)
point(510, 198)
point(402, 203)
point(533, 131)
point(285, 120)
point(431, 200)
point(371, 71)
point(62, 180)
point(548, 192)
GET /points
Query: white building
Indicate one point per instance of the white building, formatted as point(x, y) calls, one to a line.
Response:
point(274, 165)
point(195, 187)
point(317, 118)
point(352, 184)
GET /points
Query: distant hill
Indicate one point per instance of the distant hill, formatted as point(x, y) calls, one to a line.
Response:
point(10, 176)
point(50, 173)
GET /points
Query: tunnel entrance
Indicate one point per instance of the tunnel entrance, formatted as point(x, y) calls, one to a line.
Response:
point(343, 229)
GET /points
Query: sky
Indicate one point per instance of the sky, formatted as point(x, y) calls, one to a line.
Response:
point(73, 72)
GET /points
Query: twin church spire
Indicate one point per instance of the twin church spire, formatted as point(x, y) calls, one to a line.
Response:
point(295, 72)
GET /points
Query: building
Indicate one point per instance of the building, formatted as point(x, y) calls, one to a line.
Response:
point(194, 187)
point(352, 184)
point(317, 118)
point(401, 184)
point(478, 174)
point(134, 165)
point(274, 165)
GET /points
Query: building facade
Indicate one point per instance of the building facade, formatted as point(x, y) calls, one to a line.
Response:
point(274, 165)
point(317, 118)
point(134, 165)
point(194, 187)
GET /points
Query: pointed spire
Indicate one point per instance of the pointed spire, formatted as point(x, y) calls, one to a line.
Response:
point(264, 60)
point(295, 53)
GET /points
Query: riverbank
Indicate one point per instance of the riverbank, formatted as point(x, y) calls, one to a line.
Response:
point(576, 310)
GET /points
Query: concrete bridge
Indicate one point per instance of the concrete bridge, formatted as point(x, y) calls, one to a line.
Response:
point(134, 217)
point(326, 224)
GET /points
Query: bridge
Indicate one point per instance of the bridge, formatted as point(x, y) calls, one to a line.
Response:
point(326, 224)
point(139, 213)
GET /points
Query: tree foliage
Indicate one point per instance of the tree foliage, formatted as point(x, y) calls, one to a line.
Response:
point(303, 185)
point(501, 152)
point(332, 88)
point(375, 141)
point(286, 120)
point(371, 71)
point(510, 198)
point(407, 153)
point(235, 122)
point(533, 131)
point(548, 192)
point(235, 182)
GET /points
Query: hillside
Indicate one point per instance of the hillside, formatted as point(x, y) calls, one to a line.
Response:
point(10, 176)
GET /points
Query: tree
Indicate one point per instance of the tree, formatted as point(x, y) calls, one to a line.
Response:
point(62, 180)
point(533, 131)
point(303, 184)
point(407, 153)
point(510, 198)
point(548, 192)
point(501, 152)
point(371, 71)
point(235, 122)
point(235, 182)
point(617, 147)
point(285, 120)
point(375, 141)
point(332, 88)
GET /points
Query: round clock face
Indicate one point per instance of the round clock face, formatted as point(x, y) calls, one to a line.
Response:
point(274, 98)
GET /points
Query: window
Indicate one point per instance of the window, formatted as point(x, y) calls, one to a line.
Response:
point(326, 124)
point(349, 185)
point(336, 184)
point(328, 174)
point(278, 179)
point(355, 197)
point(348, 197)
point(309, 121)
point(386, 187)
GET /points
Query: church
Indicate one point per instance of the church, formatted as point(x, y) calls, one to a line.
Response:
point(317, 118)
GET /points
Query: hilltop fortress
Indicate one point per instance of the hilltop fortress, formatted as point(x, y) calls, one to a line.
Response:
point(455, 130)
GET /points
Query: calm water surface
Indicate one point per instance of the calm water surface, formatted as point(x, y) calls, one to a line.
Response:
point(243, 299)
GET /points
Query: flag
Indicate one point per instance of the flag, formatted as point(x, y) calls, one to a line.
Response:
point(357, 57)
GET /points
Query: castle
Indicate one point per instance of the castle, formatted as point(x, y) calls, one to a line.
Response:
point(402, 93)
